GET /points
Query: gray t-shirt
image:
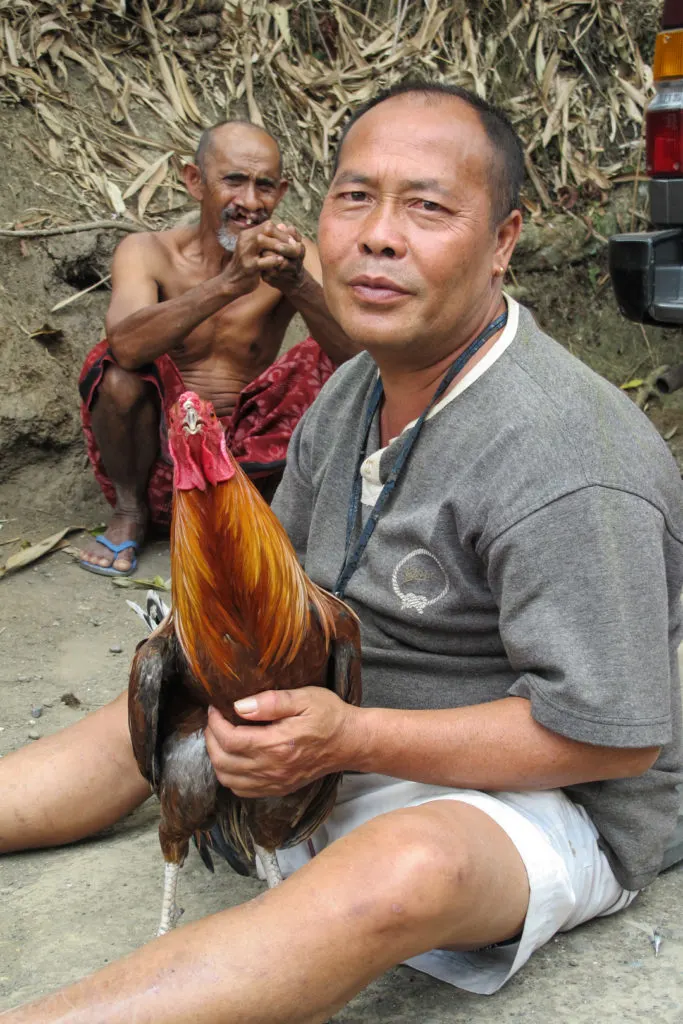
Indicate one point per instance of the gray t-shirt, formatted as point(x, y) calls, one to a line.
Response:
point(533, 547)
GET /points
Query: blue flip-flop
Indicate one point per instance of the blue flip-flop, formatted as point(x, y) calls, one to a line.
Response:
point(116, 549)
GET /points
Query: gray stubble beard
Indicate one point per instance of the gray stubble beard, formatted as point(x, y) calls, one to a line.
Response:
point(227, 239)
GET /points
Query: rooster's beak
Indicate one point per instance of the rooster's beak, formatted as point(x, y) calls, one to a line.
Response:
point(192, 423)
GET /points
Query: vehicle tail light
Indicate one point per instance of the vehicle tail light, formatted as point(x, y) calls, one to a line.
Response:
point(664, 117)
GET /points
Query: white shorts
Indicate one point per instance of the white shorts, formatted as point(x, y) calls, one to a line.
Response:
point(570, 878)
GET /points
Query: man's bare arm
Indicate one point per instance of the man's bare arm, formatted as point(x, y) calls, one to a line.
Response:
point(492, 746)
point(140, 328)
point(300, 281)
point(308, 299)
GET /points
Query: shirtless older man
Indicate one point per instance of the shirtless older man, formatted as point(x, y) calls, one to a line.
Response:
point(204, 307)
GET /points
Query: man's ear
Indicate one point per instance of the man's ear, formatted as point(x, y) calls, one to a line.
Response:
point(194, 181)
point(282, 189)
point(507, 236)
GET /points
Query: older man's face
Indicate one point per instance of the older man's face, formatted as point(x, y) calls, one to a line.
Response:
point(241, 185)
point(405, 235)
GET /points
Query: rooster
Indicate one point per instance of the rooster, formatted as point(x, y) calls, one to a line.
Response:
point(244, 618)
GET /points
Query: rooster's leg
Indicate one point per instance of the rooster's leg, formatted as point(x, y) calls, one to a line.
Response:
point(270, 866)
point(169, 910)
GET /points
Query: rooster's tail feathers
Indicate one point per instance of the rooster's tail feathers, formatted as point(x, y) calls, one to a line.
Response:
point(216, 842)
point(155, 612)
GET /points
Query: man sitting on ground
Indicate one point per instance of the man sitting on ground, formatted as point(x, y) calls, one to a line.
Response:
point(204, 307)
point(513, 769)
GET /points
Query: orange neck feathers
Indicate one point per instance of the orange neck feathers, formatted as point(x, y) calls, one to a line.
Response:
point(236, 580)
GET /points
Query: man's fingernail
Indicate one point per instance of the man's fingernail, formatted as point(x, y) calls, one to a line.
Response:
point(246, 706)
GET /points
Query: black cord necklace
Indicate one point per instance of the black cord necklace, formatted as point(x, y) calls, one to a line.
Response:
point(352, 557)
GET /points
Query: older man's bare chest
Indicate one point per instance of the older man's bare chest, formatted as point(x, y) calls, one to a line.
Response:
point(233, 346)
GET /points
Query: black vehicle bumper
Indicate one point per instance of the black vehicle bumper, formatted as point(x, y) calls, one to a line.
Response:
point(646, 269)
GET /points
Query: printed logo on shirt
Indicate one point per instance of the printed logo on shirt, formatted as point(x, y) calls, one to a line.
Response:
point(419, 580)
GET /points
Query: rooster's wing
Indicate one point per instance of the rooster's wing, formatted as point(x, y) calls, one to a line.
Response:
point(344, 660)
point(153, 676)
point(286, 821)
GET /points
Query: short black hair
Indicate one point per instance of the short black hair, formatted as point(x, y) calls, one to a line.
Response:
point(207, 135)
point(508, 177)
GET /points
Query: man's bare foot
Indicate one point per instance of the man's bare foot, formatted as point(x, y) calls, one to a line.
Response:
point(123, 527)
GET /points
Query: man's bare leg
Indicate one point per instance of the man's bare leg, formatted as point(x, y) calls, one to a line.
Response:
point(442, 874)
point(125, 422)
point(71, 784)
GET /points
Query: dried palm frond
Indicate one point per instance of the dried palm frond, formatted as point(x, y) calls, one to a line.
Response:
point(121, 88)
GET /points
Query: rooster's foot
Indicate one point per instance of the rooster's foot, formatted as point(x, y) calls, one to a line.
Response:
point(271, 867)
point(174, 916)
point(170, 913)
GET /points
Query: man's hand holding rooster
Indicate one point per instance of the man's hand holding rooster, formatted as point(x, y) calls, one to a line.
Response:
point(311, 733)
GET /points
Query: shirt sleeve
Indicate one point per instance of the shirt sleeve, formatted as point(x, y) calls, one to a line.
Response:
point(293, 500)
point(581, 586)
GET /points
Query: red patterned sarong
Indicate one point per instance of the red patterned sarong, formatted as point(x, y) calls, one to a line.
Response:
point(257, 431)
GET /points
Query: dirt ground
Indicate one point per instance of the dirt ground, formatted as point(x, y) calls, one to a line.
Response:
point(70, 911)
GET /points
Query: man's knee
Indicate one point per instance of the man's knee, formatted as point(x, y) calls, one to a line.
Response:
point(414, 878)
point(123, 389)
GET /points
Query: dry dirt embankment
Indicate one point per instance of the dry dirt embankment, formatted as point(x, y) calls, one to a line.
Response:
point(100, 104)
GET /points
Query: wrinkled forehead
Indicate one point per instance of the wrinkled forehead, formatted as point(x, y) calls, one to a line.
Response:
point(240, 148)
point(415, 137)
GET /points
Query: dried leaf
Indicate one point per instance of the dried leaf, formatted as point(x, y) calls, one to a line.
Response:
point(549, 73)
point(47, 335)
point(35, 551)
point(149, 171)
point(637, 382)
point(184, 92)
point(541, 61)
point(11, 46)
point(43, 46)
point(55, 151)
point(564, 89)
point(148, 190)
point(472, 56)
point(281, 16)
point(113, 193)
point(254, 112)
point(637, 95)
point(140, 583)
point(50, 119)
point(83, 291)
point(167, 78)
point(49, 25)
